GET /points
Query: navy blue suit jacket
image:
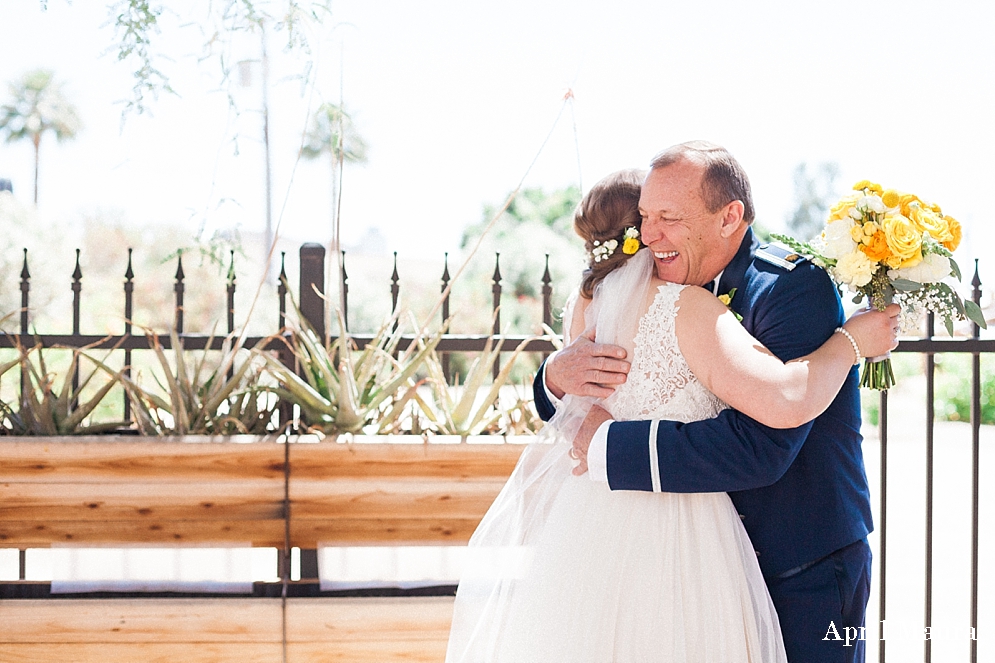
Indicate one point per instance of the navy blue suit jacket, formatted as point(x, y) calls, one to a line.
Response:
point(802, 492)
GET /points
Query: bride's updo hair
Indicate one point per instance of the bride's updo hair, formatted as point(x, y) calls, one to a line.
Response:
point(611, 206)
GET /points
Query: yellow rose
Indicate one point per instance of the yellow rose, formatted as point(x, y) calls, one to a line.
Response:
point(906, 200)
point(877, 248)
point(934, 207)
point(725, 299)
point(630, 246)
point(867, 184)
point(891, 198)
point(904, 240)
point(841, 210)
point(929, 222)
point(953, 225)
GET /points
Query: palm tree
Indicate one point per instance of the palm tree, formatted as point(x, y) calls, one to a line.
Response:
point(38, 106)
point(333, 133)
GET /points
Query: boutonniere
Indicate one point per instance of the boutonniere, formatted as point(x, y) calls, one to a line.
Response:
point(727, 300)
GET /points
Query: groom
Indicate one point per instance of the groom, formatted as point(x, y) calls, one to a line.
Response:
point(802, 493)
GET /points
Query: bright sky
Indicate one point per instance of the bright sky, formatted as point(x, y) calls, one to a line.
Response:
point(455, 98)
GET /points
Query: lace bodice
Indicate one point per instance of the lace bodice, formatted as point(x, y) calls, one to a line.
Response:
point(660, 383)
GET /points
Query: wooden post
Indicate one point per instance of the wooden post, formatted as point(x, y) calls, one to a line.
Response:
point(312, 286)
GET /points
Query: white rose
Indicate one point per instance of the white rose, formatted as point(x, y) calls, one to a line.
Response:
point(932, 269)
point(872, 203)
point(855, 269)
point(837, 239)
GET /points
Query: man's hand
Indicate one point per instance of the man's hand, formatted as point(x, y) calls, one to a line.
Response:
point(876, 332)
point(597, 416)
point(586, 368)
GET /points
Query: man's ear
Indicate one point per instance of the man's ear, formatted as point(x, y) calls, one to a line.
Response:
point(732, 218)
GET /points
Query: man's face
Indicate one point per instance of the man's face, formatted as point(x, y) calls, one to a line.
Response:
point(686, 239)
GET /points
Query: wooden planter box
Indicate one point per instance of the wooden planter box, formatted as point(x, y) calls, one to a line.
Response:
point(106, 491)
point(199, 490)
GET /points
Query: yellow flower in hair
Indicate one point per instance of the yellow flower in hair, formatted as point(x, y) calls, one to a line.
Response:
point(631, 243)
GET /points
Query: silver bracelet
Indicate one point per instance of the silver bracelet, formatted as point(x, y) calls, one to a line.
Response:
point(853, 342)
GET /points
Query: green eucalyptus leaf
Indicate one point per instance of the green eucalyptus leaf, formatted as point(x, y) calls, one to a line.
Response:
point(955, 269)
point(906, 285)
point(975, 314)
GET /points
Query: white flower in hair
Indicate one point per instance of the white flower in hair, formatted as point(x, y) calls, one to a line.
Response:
point(604, 251)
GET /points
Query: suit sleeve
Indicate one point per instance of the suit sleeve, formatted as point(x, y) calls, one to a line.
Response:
point(732, 452)
point(545, 409)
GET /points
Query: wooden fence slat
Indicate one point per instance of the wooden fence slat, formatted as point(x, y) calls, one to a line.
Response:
point(227, 620)
point(209, 652)
point(416, 499)
point(263, 533)
point(383, 531)
point(245, 500)
point(99, 492)
point(86, 459)
point(140, 620)
point(54, 460)
point(452, 462)
point(222, 620)
point(32, 534)
point(104, 652)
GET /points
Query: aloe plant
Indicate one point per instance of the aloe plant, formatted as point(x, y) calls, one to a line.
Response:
point(458, 410)
point(344, 389)
point(202, 399)
point(519, 417)
point(47, 408)
point(10, 422)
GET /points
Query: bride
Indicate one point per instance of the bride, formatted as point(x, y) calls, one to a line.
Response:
point(561, 569)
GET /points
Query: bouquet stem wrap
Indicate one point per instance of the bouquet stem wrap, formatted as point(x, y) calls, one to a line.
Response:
point(878, 373)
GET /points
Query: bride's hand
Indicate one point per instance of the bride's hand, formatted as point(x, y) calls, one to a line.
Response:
point(597, 416)
point(876, 332)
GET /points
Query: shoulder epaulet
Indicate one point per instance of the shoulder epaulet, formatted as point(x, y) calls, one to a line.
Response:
point(779, 255)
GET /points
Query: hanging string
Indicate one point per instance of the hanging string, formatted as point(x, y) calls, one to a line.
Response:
point(337, 230)
point(286, 196)
point(573, 118)
point(490, 225)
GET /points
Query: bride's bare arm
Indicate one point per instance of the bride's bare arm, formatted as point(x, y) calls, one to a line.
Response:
point(748, 377)
point(574, 327)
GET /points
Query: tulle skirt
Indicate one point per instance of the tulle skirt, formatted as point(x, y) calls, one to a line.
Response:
point(564, 570)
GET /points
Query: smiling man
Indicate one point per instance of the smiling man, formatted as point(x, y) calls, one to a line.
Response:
point(802, 493)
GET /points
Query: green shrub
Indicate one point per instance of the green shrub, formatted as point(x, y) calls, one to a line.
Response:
point(953, 388)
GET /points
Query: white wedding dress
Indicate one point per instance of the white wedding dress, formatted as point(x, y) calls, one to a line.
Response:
point(563, 570)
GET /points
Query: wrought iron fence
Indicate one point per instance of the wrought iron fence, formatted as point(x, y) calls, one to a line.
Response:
point(312, 282)
point(310, 301)
point(930, 346)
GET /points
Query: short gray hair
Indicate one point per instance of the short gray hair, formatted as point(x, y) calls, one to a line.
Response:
point(723, 179)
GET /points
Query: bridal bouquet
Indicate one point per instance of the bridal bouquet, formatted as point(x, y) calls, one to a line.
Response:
point(888, 246)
